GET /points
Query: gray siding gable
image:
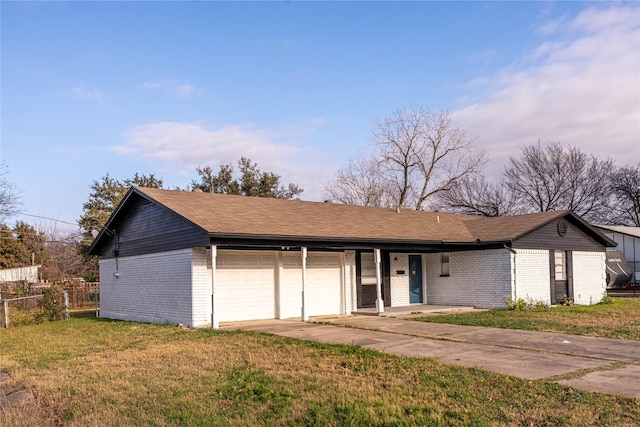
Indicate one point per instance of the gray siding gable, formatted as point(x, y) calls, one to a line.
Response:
point(548, 237)
point(144, 226)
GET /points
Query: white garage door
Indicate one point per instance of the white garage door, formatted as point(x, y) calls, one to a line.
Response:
point(324, 284)
point(323, 287)
point(291, 285)
point(245, 285)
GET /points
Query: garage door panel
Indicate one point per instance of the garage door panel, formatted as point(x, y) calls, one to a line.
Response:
point(245, 285)
point(291, 285)
point(324, 284)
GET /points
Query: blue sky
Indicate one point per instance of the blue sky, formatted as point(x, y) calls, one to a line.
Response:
point(96, 88)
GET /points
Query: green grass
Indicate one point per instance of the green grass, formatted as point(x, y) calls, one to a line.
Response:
point(618, 319)
point(89, 371)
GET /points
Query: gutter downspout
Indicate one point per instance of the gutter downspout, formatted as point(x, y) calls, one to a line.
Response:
point(215, 323)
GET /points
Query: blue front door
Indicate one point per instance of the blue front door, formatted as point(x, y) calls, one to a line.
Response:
point(415, 279)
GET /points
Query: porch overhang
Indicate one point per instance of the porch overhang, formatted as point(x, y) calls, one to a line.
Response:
point(341, 244)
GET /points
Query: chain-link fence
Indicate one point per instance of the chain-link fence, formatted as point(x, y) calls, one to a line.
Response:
point(49, 306)
point(23, 303)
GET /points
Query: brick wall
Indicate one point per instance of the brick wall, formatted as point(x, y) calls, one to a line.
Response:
point(481, 279)
point(201, 293)
point(158, 287)
point(532, 275)
point(589, 278)
point(400, 282)
point(151, 288)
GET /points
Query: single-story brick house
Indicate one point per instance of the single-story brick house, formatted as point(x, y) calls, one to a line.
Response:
point(169, 256)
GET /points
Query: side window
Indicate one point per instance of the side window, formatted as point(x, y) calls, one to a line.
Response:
point(367, 268)
point(561, 265)
point(444, 265)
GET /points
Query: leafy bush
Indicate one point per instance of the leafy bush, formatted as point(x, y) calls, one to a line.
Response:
point(53, 307)
point(606, 299)
point(567, 300)
point(49, 308)
point(517, 305)
point(539, 305)
point(91, 276)
point(525, 305)
point(23, 316)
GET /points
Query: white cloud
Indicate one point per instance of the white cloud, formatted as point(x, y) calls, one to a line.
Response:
point(178, 148)
point(82, 93)
point(174, 87)
point(581, 87)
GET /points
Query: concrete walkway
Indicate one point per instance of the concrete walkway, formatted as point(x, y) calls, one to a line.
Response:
point(595, 364)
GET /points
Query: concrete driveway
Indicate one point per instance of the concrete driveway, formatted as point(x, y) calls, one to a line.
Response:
point(595, 364)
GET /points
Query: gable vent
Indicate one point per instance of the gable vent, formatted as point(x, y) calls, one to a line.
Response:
point(562, 228)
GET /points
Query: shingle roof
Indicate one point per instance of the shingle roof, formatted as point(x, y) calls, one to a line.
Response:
point(631, 231)
point(241, 215)
point(505, 228)
point(253, 216)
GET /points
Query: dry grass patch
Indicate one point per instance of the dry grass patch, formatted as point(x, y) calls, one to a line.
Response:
point(617, 319)
point(96, 372)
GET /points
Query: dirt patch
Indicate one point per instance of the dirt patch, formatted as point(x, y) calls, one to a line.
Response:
point(12, 394)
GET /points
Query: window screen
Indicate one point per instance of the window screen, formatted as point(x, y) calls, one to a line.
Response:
point(444, 264)
point(561, 265)
point(367, 268)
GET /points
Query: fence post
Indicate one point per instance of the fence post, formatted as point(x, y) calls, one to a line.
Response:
point(66, 305)
point(6, 313)
point(96, 296)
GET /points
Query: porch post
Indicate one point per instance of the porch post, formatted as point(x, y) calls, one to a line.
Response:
point(305, 315)
point(379, 300)
point(215, 324)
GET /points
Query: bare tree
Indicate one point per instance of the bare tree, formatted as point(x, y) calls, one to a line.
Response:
point(64, 259)
point(625, 189)
point(558, 177)
point(477, 196)
point(9, 197)
point(359, 183)
point(415, 154)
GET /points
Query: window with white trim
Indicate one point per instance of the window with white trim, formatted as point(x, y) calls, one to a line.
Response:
point(367, 268)
point(444, 265)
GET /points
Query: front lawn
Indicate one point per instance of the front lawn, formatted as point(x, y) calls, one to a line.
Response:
point(618, 319)
point(88, 371)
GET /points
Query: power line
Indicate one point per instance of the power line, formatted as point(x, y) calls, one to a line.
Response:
point(31, 240)
point(45, 217)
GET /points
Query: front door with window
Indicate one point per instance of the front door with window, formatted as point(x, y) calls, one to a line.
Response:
point(415, 279)
point(366, 279)
point(366, 268)
point(561, 289)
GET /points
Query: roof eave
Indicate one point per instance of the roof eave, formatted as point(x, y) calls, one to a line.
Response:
point(337, 239)
point(106, 228)
point(347, 240)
